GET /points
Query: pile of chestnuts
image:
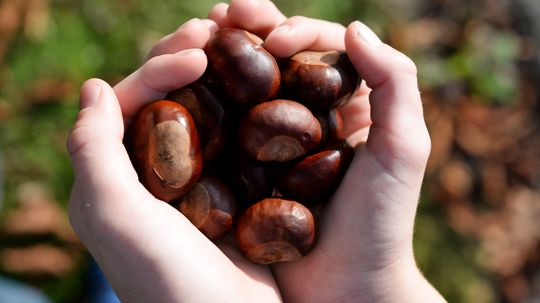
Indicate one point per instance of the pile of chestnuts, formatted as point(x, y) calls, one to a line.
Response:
point(251, 146)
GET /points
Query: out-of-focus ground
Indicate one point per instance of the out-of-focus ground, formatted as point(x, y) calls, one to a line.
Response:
point(478, 234)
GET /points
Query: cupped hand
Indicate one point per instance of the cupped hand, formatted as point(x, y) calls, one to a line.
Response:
point(147, 249)
point(364, 251)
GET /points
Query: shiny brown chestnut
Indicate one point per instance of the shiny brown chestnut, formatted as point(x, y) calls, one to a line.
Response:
point(279, 130)
point(275, 230)
point(331, 125)
point(316, 177)
point(251, 180)
point(209, 116)
point(320, 80)
point(210, 206)
point(248, 73)
point(165, 149)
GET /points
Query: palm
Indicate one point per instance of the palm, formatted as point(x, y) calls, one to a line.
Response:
point(149, 241)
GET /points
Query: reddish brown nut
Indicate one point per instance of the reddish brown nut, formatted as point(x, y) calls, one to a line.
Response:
point(320, 80)
point(331, 125)
point(279, 130)
point(249, 74)
point(275, 230)
point(252, 180)
point(208, 114)
point(317, 176)
point(210, 206)
point(165, 149)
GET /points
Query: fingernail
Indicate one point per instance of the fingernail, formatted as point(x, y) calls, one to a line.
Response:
point(90, 94)
point(366, 34)
point(189, 22)
point(282, 29)
point(191, 51)
point(211, 24)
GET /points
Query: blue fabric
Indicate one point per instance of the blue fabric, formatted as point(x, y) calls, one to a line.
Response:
point(99, 289)
point(14, 292)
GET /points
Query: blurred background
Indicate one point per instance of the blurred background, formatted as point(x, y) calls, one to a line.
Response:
point(477, 235)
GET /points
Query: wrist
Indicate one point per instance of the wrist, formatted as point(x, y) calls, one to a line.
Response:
point(399, 282)
point(347, 281)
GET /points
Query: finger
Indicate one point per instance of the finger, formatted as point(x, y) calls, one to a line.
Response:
point(259, 17)
point(301, 33)
point(192, 34)
point(95, 144)
point(356, 116)
point(383, 182)
point(218, 14)
point(398, 131)
point(157, 77)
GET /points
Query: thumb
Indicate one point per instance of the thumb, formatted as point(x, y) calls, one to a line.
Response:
point(99, 159)
point(398, 135)
point(382, 185)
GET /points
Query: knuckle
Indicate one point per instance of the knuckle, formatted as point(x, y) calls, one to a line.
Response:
point(425, 147)
point(421, 148)
point(417, 148)
point(297, 19)
point(187, 26)
point(77, 139)
point(406, 63)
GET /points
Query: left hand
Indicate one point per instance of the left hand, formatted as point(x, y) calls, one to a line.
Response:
point(147, 249)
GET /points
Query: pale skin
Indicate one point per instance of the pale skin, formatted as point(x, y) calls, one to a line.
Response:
point(151, 253)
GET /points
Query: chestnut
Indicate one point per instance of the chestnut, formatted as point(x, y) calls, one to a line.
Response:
point(209, 116)
point(331, 125)
point(316, 177)
point(252, 180)
point(248, 73)
point(210, 206)
point(279, 130)
point(320, 80)
point(275, 230)
point(165, 149)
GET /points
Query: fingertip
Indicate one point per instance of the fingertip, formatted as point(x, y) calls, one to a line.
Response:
point(192, 62)
point(362, 46)
point(300, 33)
point(172, 71)
point(375, 60)
point(358, 30)
point(360, 41)
point(186, 62)
point(90, 93)
point(190, 22)
point(291, 37)
point(196, 52)
point(218, 14)
point(359, 38)
point(278, 42)
point(192, 34)
point(211, 24)
point(97, 93)
point(257, 16)
point(95, 81)
point(100, 113)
